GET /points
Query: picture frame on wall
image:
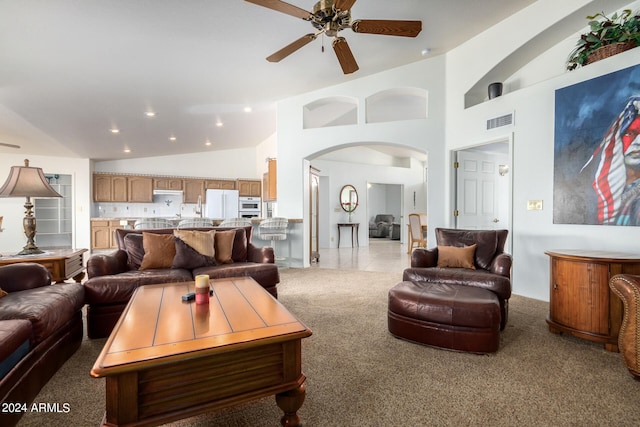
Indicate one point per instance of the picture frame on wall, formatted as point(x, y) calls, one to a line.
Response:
point(597, 151)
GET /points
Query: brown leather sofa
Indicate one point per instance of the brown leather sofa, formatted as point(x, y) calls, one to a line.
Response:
point(627, 287)
point(492, 265)
point(40, 329)
point(112, 278)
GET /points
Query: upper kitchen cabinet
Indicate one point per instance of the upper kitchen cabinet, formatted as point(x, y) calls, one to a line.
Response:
point(109, 188)
point(220, 184)
point(270, 182)
point(122, 188)
point(192, 189)
point(167, 184)
point(249, 188)
point(140, 189)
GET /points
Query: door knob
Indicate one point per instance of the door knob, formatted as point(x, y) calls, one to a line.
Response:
point(496, 220)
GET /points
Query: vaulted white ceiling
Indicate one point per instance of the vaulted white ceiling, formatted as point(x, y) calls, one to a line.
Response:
point(72, 70)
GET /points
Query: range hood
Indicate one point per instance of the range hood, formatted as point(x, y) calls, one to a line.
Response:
point(167, 192)
point(168, 196)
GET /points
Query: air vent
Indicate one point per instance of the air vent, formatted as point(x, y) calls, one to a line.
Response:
point(501, 121)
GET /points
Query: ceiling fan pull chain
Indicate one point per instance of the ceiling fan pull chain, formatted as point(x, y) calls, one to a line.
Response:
point(322, 46)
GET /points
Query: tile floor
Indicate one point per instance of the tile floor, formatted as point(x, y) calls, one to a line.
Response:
point(380, 255)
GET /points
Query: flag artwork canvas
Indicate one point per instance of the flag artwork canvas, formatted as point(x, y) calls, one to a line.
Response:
point(597, 151)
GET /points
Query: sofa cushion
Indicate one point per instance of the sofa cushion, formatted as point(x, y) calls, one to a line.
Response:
point(134, 248)
point(189, 258)
point(224, 243)
point(48, 308)
point(159, 251)
point(454, 257)
point(118, 288)
point(201, 241)
point(14, 336)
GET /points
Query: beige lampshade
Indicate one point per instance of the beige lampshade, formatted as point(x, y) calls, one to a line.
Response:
point(25, 181)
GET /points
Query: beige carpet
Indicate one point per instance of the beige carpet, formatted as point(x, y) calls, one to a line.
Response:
point(359, 375)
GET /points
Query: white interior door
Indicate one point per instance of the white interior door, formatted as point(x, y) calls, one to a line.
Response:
point(480, 201)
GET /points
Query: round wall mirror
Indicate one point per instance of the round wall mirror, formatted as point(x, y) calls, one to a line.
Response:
point(349, 198)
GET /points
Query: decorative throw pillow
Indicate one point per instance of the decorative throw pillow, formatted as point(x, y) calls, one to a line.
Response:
point(189, 258)
point(455, 257)
point(3, 293)
point(201, 241)
point(159, 251)
point(135, 249)
point(224, 246)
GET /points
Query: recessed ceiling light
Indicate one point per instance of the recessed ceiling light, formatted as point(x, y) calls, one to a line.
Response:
point(425, 51)
point(114, 130)
point(172, 138)
point(219, 124)
point(247, 109)
point(150, 114)
point(127, 150)
point(208, 143)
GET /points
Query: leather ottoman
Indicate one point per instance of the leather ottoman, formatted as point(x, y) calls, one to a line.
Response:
point(455, 317)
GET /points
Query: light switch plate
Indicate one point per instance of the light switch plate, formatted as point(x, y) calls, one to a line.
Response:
point(534, 205)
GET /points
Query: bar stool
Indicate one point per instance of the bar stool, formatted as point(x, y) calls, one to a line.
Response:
point(274, 229)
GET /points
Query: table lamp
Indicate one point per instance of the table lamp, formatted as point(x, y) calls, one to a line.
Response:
point(25, 181)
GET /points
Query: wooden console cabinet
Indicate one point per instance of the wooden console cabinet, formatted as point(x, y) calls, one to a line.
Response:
point(580, 300)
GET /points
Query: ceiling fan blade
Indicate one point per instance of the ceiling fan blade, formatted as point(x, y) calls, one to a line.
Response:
point(283, 7)
point(344, 4)
point(387, 27)
point(345, 57)
point(9, 145)
point(290, 48)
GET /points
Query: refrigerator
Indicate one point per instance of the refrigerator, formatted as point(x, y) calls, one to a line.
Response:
point(221, 204)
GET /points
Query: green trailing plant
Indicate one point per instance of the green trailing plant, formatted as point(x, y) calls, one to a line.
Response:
point(620, 28)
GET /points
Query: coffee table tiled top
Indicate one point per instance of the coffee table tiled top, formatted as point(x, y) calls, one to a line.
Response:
point(161, 326)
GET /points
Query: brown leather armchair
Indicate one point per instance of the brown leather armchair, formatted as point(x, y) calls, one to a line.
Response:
point(492, 265)
point(627, 287)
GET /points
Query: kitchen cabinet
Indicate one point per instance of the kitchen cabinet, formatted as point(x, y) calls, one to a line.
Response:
point(109, 188)
point(167, 183)
point(140, 189)
point(220, 184)
point(102, 232)
point(249, 188)
point(270, 182)
point(581, 302)
point(192, 189)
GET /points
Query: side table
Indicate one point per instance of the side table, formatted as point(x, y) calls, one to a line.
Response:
point(63, 264)
point(580, 300)
point(354, 230)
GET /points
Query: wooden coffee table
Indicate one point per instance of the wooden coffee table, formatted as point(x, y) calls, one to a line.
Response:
point(167, 359)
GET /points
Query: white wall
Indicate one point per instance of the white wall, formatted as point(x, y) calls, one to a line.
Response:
point(12, 239)
point(296, 144)
point(533, 232)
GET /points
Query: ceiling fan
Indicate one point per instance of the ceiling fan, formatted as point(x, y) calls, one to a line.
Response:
point(330, 17)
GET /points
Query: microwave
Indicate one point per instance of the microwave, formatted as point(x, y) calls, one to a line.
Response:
point(250, 204)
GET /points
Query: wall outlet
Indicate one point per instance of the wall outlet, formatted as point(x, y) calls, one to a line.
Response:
point(534, 205)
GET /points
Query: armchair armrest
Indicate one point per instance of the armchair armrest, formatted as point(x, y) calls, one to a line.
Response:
point(502, 265)
point(424, 257)
point(23, 276)
point(627, 288)
point(107, 264)
point(263, 255)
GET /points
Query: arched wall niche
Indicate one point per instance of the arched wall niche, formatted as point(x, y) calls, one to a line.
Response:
point(330, 111)
point(396, 104)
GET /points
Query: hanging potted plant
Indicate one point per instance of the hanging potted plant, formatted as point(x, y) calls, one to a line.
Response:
point(608, 37)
